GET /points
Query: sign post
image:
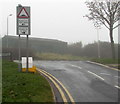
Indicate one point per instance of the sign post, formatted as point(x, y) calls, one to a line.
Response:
point(19, 65)
point(23, 27)
point(27, 65)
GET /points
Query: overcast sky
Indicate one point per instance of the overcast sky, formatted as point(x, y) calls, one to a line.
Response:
point(54, 19)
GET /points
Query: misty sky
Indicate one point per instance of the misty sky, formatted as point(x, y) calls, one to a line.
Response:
point(54, 19)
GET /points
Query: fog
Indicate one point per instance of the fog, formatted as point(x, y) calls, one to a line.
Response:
point(55, 19)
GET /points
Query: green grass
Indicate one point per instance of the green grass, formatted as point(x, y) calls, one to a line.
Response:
point(55, 56)
point(105, 61)
point(0, 79)
point(110, 62)
point(68, 57)
point(24, 87)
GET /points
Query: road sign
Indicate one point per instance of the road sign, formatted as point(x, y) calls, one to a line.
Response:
point(23, 20)
point(23, 30)
point(23, 13)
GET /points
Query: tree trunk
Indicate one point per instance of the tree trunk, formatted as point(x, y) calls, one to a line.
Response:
point(112, 43)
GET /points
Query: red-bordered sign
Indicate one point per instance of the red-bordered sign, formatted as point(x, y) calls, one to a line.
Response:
point(23, 14)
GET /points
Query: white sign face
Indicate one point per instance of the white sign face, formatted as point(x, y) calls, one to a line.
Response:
point(23, 30)
point(23, 22)
point(24, 62)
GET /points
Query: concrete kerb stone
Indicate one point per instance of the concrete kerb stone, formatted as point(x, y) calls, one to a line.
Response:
point(103, 65)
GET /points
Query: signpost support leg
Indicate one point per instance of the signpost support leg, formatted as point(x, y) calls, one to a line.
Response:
point(27, 53)
point(19, 65)
point(23, 28)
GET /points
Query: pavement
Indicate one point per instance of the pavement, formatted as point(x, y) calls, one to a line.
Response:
point(86, 82)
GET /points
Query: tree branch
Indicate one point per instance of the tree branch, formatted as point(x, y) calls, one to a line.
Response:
point(116, 26)
point(117, 5)
point(116, 16)
point(106, 12)
point(104, 24)
point(103, 7)
point(103, 17)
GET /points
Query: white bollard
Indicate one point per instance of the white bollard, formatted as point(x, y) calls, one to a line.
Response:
point(30, 64)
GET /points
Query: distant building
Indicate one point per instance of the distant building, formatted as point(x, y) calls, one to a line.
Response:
point(35, 45)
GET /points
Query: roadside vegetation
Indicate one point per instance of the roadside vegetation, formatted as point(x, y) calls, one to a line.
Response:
point(110, 62)
point(74, 49)
point(67, 57)
point(51, 50)
point(56, 56)
point(23, 87)
point(106, 60)
point(0, 79)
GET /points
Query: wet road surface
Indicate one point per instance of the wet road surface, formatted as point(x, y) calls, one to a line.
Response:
point(86, 82)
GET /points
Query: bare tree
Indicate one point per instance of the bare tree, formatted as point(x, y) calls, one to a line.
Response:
point(107, 13)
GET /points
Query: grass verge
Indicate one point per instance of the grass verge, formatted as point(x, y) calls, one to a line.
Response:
point(23, 87)
point(105, 61)
point(55, 56)
point(68, 57)
point(0, 79)
point(110, 62)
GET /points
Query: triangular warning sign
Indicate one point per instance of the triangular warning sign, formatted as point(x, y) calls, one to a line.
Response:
point(23, 13)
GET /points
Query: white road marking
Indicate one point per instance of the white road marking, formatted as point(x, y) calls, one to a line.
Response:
point(117, 86)
point(96, 75)
point(104, 73)
point(76, 66)
point(117, 76)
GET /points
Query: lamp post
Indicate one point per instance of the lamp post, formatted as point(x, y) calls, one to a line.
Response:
point(98, 42)
point(97, 25)
point(7, 27)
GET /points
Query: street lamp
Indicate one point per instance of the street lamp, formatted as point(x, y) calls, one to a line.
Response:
point(97, 25)
point(7, 27)
point(98, 42)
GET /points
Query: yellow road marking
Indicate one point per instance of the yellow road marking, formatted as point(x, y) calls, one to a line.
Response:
point(58, 87)
point(95, 75)
point(71, 99)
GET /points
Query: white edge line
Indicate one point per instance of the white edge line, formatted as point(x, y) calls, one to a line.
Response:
point(117, 86)
point(76, 66)
point(96, 75)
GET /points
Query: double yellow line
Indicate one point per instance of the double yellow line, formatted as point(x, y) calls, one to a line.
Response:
point(56, 82)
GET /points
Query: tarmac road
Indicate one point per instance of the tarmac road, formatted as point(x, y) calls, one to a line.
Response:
point(86, 82)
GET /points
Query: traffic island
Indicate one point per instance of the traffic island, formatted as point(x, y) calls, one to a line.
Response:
point(24, 87)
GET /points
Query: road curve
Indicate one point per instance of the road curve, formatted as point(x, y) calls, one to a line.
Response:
point(61, 94)
point(86, 82)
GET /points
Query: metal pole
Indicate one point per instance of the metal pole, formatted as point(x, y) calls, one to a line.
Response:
point(27, 50)
point(19, 66)
point(7, 28)
point(98, 42)
point(7, 32)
